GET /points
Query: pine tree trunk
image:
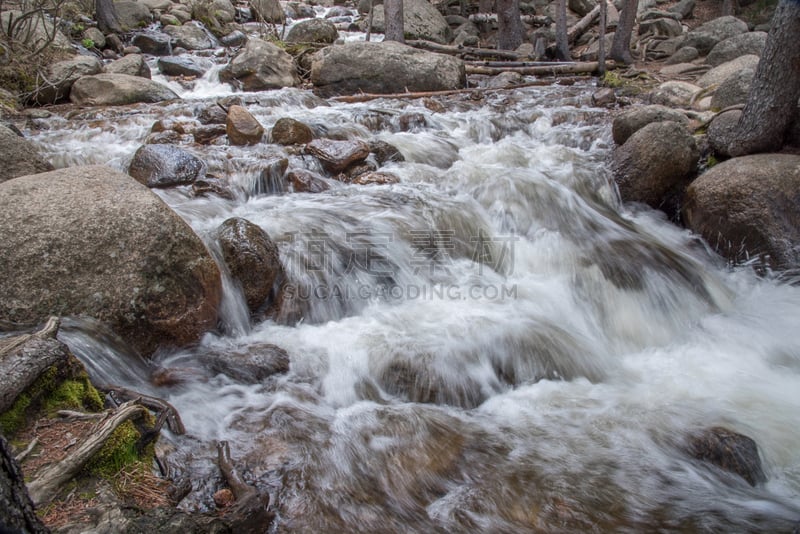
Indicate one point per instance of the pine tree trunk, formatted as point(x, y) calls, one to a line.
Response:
point(16, 508)
point(772, 103)
point(509, 25)
point(601, 52)
point(562, 42)
point(621, 46)
point(393, 10)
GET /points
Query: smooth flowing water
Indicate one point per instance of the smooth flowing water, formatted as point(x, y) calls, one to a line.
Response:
point(493, 344)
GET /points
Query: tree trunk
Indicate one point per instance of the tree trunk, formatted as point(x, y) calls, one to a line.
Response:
point(509, 25)
point(772, 102)
point(562, 43)
point(485, 6)
point(621, 47)
point(393, 10)
point(107, 18)
point(16, 508)
point(601, 51)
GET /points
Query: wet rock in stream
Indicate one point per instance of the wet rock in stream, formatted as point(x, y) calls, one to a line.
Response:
point(336, 156)
point(729, 451)
point(242, 128)
point(162, 165)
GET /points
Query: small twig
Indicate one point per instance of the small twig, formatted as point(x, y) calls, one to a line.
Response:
point(71, 415)
point(24, 454)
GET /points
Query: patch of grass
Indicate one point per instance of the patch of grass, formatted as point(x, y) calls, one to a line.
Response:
point(87, 43)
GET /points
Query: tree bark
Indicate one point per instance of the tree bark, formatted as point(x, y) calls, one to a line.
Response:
point(509, 25)
point(621, 47)
point(16, 509)
point(393, 11)
point(562, 42)
point(107, 18)
point(485, 6)
point(772, 102)
point(601, 51)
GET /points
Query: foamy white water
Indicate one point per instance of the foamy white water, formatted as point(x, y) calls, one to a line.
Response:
point(519, 352)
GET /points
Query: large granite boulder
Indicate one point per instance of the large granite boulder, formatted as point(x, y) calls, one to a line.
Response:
point(18, 156)
point(36, 31)
point(132, 15)
point(630, 121)
point(93, 241)
point(61, 75)
point(313, 31)
point(674, 93)
point(706, 36)
point(269, 11)
point(750, 43)
point(117, 90)
point(720, 73)
point(420, 21)
point(252, 259)
point(260, 66)
point(655, 163)
point(734, 90)
point(384, 68)
point(746, 208)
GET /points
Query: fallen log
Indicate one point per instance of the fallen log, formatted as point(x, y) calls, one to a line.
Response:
point(24, 358)
point(167, 411)
point(366, 97)
point(250, 512)
point(534, 20)
point(463, 50)
point(50, 479)
point(586, 67)
point(582, 25)
point(514, 64)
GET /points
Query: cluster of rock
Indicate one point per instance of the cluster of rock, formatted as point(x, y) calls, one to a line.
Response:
point(668, 152)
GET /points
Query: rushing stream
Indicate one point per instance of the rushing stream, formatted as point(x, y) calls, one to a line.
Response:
point(493, 344)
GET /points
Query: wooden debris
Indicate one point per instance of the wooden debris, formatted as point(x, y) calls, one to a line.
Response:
point(584, 67)
point(250, 512)
point(582, 25)
point(51, 478)
point(464, 50)
point(167, 412)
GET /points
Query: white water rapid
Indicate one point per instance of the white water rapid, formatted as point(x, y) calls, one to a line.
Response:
point(494, 344)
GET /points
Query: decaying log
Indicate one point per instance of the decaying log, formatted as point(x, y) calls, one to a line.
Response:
point(250, 513)
point(24, 358)
point(463, 50)
point(366, 97)
point(51, 478)
point(515, 64)
point(582, 25)
point(534, 20)
point(167, 411)
point(584, 67)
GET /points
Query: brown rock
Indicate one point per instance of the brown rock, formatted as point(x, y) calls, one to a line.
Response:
point(730, 451)
point(375, 178)
point(336, 156)
point(242, 128)
point(304, 181)
point(223, 498)
point(18, 156)
point(288, 131)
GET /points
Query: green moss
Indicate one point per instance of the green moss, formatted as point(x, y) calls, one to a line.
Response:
point(74, 394)
point(711, 161)
point(118, 451)
point(87, 43)
point(15, 418)
point(612, 79)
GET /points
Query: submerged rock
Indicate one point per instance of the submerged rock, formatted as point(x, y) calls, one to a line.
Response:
point(93, 241)
point(336, 156)
point(305, 181)
point(165, 166)
point(730, 451)
point(252, 258)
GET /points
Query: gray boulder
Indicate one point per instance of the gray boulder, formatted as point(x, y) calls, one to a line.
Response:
point(269, 11)
point(18, 156)
point(133, 15)
point(734, 90)
point(117, 90)
point(581, 7)
point(674, 93)
point(259, 66)
point(252, 259)
point(683, 55)
point(93, 241)
point(665, 26)
point(420, 21)
point(36, 32)
point(153, 43)
point(183, 66)
point(706, 36)
point(61, 75)
point(165, 166)
point(215, 14)
point(720, 73)
point(721, 131)
point(683, 8)
point(384, 68)
point(313, 31)
point(747, 208)
point(750, 43)
point(132, 65)
point(655, 163)
point(634, 119)
point(190, 36)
